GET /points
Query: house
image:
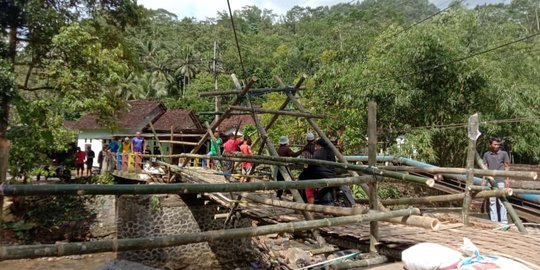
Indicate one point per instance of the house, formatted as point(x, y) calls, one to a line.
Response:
point(140, 114)
point(235, 123)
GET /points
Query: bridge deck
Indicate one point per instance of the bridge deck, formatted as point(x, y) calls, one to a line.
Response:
point(398, 237)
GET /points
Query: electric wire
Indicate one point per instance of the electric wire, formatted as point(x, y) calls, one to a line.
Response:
point(236, 40)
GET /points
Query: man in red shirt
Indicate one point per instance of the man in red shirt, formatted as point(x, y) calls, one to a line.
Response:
point(79, 161)
point(230, 147)
point(245, 149)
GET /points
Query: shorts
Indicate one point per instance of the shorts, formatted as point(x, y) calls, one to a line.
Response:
point(246, 170)
point(79, 165)
point(89, 162)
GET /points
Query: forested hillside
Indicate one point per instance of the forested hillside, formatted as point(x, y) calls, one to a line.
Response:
point(427, 69)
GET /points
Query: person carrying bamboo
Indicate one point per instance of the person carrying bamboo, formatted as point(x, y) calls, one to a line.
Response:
point(230, 147)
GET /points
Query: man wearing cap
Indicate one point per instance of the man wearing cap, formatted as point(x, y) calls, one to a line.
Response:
point(309, 148)
point(284, 151)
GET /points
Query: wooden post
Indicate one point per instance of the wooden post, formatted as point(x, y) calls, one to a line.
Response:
point(170, 153)
point(372, 162)
point(4, 157)
point(473, 133)
point(509, 208)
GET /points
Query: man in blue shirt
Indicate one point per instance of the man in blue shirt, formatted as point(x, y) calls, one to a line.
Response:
point(137, 144)
point(496, 159)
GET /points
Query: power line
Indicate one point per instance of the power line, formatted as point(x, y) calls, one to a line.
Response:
point(462, 125)
point(456, 60)
point(236, 40)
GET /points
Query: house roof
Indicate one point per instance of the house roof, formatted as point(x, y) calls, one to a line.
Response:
point(233, 121)
point(179, 119)
point(136, 117)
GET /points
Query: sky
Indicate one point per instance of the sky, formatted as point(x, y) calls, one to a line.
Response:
point(202, 9)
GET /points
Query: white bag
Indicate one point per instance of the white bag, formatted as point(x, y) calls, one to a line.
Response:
point(430, 256)
point(479, 262)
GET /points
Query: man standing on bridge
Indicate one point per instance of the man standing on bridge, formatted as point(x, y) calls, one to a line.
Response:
point(496, 159)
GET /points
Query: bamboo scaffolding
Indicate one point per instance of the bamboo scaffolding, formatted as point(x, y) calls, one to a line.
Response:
point(334, 149)
point(252, 91)
point(181, 188)
point(524, 184)
point(281, 107)
point(279, 112)
point(448, 198)
point(416, 221)
point(446, 170)
point(64, 249)
point(351, 167)
point(525, 191)
point(283, 170)
point(509, 208)
point(217, 122)
point(325, 209)
point(179, 142)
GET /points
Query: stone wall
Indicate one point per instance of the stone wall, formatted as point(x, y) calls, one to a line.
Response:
point(147, 216)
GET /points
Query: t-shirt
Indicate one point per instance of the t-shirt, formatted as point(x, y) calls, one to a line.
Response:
point(90, 155)
point(231, 146)
point(496, 161)
point(79, 157)
point(246, 150)
point(126, 147)
point(215, 146)
point(138, 144)
point(114, 146)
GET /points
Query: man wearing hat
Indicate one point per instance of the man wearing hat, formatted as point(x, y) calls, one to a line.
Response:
point(309, 148)
point(284, 151)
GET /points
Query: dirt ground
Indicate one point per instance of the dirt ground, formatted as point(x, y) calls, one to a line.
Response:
point(79, 262)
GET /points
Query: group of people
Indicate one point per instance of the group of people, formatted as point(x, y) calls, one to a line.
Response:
point(110, 156)
point(83, 158)
point(234, 144)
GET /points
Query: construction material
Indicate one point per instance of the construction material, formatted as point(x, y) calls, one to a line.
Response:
point(279, 112)
point(64, 249)
point(447, 170)
point(361, 263)
point(372, 162)
point(182, 188)
point(448, 198)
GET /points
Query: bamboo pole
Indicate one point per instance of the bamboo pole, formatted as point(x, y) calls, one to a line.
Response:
point(155, 137)
point(64, 249)
point(225, 115)
point(509, 208)
point(325, 209)
point(283, 170)
point(351, 167)
point(279, 112)
point(180, 188)
point(449, 197)
point(180, 142)
point(525, 191)
point(524, 184)
point(372, 162)
point(252, 91)
point(416, 221)
point(361, 263)
point(446, 170)
point(281, 107)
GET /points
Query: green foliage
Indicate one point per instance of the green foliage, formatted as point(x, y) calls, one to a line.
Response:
point(385, 191)
point(104, 179)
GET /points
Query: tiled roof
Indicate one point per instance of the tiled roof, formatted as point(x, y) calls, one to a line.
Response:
point(234, 120)
point(179, 119)
point(137, 115)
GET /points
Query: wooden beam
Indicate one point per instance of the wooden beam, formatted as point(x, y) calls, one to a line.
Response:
point(372, 161)
point(279, 112)
point(446, 170)
point(252, 91)
point(180, 142)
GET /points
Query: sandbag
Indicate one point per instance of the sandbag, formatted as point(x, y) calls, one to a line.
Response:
point(430, 256)
point(480, 262)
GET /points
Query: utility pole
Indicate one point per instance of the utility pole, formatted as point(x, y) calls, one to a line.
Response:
point(217, 99)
